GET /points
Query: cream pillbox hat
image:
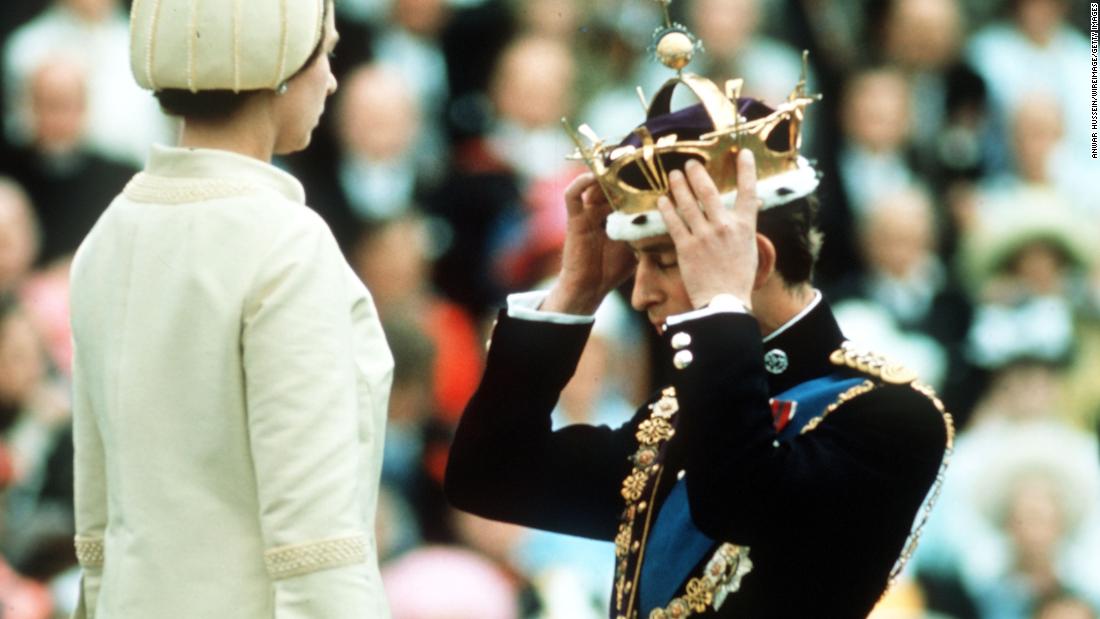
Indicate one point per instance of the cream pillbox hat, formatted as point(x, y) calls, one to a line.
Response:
point(222, 44)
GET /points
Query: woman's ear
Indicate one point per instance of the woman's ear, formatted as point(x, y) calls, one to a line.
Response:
point(765, 263)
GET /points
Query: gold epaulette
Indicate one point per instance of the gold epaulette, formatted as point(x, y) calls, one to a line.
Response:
point(879, 367)
point(872, 364)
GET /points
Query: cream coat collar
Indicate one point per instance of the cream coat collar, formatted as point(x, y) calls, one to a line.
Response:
point(196, 167)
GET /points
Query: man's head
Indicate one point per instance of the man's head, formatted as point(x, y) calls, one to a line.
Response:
point(1037, 128)
point(725, 170)
point(532, 83)
point(424, 18)
point(725, 26)
point(58, 104)
point(898, 234)
point(875, 112)
point(18, 235)
point(378, 116)
point(1040, 20)
point(923, 35)
point(788, 243)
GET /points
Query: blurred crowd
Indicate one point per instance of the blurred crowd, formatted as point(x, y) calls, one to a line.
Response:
point(960, 238)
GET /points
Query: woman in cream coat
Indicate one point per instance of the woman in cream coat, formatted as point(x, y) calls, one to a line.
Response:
point(231, 376)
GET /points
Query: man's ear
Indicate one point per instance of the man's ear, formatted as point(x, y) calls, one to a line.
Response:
point(765, 264)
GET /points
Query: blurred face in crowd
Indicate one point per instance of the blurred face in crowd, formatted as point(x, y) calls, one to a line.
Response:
point(18, 241)
point(659, 290)
point(1025, 391)
point(876, 113)
point(421, 17)
point(1041, 268)
point(1037, 130)
point(392, 261)
point(923, 34)
point(22, 363)
point(58, 105)
point(533, 83)
point(92, 10)
point(725, 26)
point(1040, 20)
point(299, 109)
point(1035, 519)
point(1066, 608)
point(378, 114)
point(898, 234)
point(551, 18)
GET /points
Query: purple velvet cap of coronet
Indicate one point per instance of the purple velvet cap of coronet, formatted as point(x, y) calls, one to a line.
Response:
point(688, 124)
point(693, 121)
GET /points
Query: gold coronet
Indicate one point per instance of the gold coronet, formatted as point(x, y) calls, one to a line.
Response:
point(634, 177)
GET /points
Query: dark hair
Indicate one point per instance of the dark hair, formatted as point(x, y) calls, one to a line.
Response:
point(221, 103)
point(792, 228)
point(204, 104)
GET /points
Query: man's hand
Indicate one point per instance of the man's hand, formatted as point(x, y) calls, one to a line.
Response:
point(591, 264)
point(715, 246)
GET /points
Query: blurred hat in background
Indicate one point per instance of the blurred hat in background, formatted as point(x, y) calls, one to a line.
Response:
point(448, 583)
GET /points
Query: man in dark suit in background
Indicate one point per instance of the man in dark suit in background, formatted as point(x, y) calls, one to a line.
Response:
point(69, 184)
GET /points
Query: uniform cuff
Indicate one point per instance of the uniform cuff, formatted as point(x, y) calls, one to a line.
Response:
point(525, 306)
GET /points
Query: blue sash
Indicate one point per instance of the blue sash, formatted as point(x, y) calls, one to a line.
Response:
point(675, 545)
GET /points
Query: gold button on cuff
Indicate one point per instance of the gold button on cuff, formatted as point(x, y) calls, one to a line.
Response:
point(681, 340)
point(682, 359)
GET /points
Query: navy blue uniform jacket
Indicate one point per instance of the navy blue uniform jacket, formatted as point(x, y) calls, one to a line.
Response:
point(822, 515)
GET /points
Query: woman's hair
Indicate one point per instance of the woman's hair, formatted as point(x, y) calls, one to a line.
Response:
point(222, 104)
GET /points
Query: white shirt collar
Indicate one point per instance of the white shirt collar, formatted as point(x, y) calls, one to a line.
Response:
point(799, 316)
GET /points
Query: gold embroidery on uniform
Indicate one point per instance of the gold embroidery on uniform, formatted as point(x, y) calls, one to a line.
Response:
point(892, 373)
point(654, 430)
point(726, 567)
point(634, 485)
point(721, 577)
point(697, 595)
point(651, 433)
point(848, 395)
point(878, 366)
point(934, 494)
point(666, 407)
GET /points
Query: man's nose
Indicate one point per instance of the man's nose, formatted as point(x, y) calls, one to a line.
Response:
point(644, 293)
